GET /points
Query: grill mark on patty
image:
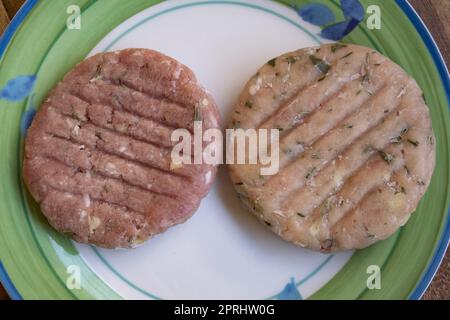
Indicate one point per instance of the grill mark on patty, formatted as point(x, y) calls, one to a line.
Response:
point(266, 123)
point(289, 151)
point(356, 205)
point(153, 76)
point(112, 130)
point(111, 196)
point(269, 123)
point(124, 84)
point(293, 197)
point(124, 223)
point(359, 175)
point(136, 112)
point(89, 127)
point(352, 147)
point(377, 191)
point(284, 161)
point(81, 194)
point(314, 113)
point(99, 173)
point(303, 60)
point(168, 146)
point(119, 155)
point(321, 106)
point(160, 157)
point(129, 116)
point(371, 128)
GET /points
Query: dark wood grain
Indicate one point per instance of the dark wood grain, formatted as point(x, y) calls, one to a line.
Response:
point(436, 14)
point(4, 18)
point(12, 6)
point(3, 294)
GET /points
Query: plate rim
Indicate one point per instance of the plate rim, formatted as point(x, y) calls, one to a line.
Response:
point(428, 39)
point(432, 47)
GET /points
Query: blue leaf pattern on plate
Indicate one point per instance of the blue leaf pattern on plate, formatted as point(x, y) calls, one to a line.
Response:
point(339, 30)
point(290, 292)
point(321, 15)
point(352, 9)
point(317, 14)
point(18, 88)
point(25, 121)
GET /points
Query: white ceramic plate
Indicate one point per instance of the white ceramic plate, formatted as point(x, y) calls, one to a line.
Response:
point(222, 252)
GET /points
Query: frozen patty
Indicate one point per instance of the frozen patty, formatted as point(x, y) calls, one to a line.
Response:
point(357, 148)
point(98, 153)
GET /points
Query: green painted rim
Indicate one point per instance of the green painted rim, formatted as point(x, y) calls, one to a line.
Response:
point(36, 257)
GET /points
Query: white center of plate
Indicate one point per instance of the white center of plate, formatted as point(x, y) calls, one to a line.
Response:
point(222, 252)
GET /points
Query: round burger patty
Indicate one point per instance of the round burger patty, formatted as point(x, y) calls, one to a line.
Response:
point(98, 153)
point(357, 148)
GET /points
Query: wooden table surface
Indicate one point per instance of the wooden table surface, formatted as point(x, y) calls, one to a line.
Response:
point(435, 13)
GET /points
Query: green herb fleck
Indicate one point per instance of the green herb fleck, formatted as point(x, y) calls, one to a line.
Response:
point(326, 207)
point(347, 55)
point(414, 142)
point(368, 149)
point(121, 83)
point(335, 47)
point(197, 114)
point(272, 62)
point(117, 100)
point(366, 66)
point(396, 140)
point(424, 99)
point(268, 223)
point(404, 131)
point(321, 65)
point(310, 173)
point(315, 156)
point(370, 236)
point(257, 207)
point(248, 104)
point(291, 59)
point(97, 74)
point(348, 126)
point(389, 158)
point(327, 244)
point(301, 214)
point(236, 124)
point(408, 172)
point(77, 116)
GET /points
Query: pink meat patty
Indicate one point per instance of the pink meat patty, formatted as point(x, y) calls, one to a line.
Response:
point(98, 153)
